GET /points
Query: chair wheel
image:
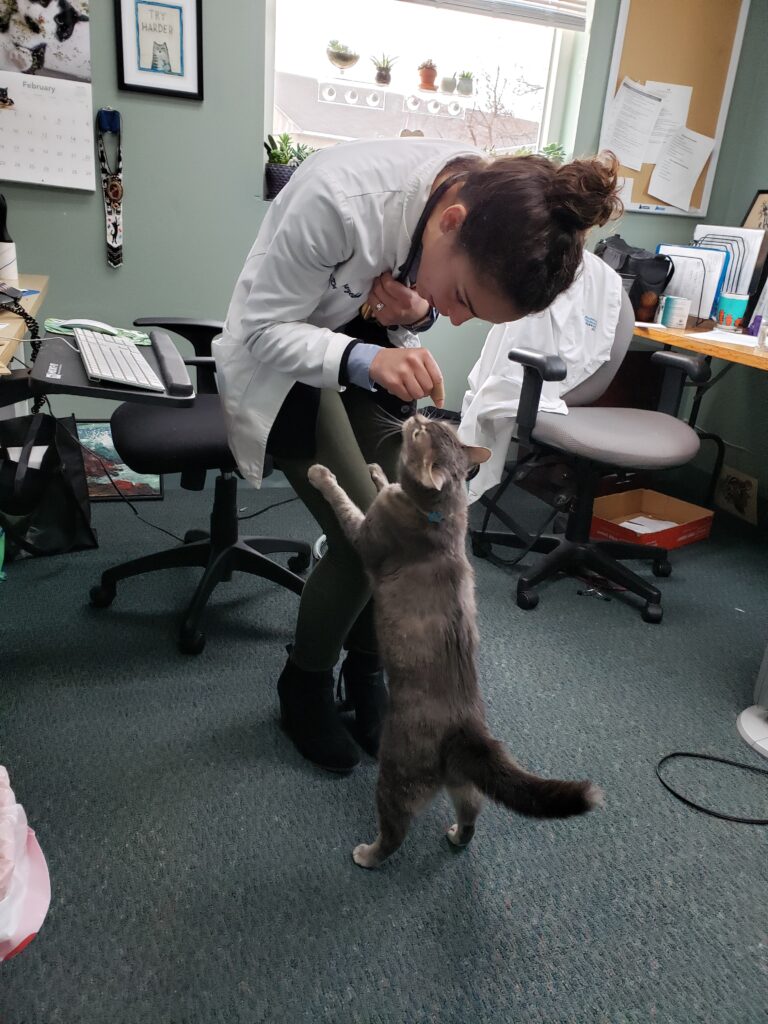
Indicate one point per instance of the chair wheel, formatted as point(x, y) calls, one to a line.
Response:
point(299, 563)
point(191, 642)
point(101, 596)
point(194, 535)
point(662, 567)
point(480, 547)
point(527, 599)
point(652, 613)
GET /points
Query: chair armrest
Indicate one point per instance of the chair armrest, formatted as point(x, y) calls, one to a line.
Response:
point(547, 367)
point(696, 368)
point(206, 374)
point(200, 332)
point(537, 368)
point(678, 367)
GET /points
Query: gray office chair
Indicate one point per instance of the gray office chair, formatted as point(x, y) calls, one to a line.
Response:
point(589, 443)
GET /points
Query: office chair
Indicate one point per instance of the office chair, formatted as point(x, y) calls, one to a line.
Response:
point(192, 441)
point(590, 443)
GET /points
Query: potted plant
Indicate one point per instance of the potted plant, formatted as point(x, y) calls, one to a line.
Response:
point(283, 157)
point(383, 66)
point(464, 86)
point(448, 84)
point(341, 56)
point(427, 75)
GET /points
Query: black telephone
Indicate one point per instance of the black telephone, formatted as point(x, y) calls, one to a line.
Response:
point(8, 294)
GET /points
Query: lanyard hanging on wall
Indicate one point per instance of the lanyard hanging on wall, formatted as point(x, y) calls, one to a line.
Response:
point(108, 122)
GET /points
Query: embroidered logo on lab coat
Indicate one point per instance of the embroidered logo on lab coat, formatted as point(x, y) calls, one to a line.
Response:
point(591, 323)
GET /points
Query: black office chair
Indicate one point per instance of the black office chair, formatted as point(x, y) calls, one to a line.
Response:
point(575, 452)
point(192, 441)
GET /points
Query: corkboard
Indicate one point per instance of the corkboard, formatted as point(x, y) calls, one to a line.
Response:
point(684, 42)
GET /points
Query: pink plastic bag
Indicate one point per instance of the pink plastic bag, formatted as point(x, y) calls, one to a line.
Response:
point(25, 888)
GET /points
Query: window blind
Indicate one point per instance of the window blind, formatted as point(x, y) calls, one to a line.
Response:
point(570, 14)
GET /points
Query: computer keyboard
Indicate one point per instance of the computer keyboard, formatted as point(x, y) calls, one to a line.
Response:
point(110, 357)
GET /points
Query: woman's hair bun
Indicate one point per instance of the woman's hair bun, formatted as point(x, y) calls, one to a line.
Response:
point(584, 193)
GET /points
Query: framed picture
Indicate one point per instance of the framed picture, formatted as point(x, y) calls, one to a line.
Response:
point(102, 463)
point(757, 214)
point(160, 47)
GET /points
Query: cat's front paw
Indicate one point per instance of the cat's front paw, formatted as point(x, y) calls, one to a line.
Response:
point(364, 856)
point(320, 476)
point(378, 476)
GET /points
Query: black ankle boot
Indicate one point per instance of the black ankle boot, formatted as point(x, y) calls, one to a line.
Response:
point(366, 695)
point(308, 716)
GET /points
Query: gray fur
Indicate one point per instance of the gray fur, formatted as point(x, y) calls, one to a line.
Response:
point(435, 733)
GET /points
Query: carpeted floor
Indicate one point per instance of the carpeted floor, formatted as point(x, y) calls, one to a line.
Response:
point(201, 870)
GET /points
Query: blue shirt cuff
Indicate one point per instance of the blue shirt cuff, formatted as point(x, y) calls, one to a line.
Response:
point(358, 365)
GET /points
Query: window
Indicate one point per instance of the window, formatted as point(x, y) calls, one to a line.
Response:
point(503, 106)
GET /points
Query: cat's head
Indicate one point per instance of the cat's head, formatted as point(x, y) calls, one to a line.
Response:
point(433, 459)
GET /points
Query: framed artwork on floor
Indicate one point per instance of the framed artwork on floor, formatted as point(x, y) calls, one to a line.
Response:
point(108, 477)
point(160, 47)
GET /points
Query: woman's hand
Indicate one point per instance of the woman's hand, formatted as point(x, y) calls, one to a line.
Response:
point(395, 304)
point(409, 373)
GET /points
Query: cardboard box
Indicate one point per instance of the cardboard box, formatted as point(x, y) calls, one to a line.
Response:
point(692, 522)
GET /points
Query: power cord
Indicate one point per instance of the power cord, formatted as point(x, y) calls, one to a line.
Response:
point(261, 511)
point(700, 807)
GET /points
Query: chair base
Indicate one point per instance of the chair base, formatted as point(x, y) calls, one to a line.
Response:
point(573, 558)
point(219, 555)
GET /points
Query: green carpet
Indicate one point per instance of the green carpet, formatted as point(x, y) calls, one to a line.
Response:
point(201, 870)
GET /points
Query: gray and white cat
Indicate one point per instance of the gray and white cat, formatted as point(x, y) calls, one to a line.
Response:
point(412, 544)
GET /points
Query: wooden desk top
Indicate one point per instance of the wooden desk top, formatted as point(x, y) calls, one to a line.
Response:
point(747, 355)
point(12, 335)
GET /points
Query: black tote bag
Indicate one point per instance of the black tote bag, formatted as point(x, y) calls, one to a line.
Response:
point(647, 273)
point(44, 505)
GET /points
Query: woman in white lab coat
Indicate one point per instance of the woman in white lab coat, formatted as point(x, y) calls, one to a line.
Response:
point(365, 246)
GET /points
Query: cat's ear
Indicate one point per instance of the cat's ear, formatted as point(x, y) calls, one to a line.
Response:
point(476, 454)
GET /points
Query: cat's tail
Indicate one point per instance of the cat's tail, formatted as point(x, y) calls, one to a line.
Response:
point(473, 755)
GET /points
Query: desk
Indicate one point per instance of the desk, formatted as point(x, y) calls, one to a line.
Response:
point(13, 335)
point(745, 355)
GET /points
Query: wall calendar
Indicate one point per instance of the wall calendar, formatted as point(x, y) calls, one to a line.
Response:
point(46, 110)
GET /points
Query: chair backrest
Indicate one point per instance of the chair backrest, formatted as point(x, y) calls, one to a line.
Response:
point(591, 389)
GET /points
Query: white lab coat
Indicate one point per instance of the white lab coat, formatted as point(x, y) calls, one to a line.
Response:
point(579, 326)
point(347, 216)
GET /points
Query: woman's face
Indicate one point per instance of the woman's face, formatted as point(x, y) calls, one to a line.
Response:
point(447, 280)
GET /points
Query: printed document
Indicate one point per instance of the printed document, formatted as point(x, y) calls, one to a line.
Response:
point(676, 102)
point(630, 121)
point(678, 168)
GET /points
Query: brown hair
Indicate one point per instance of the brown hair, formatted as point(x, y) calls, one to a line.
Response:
point(526, 219)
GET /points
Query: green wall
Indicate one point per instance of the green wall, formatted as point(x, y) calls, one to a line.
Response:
point(193, 182)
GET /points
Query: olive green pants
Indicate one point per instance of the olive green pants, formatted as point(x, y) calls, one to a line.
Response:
point(336, 609)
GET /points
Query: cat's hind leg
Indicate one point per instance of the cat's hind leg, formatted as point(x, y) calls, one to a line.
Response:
point(468, 802)
point(396, 806)
point(349, 515)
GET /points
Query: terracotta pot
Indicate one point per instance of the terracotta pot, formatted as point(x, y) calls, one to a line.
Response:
point(427, 78)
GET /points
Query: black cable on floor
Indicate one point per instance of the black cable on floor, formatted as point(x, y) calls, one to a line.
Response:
point(261, 511)
point(699, 807)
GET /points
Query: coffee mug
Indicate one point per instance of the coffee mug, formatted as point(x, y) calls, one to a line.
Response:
point(730, 310)
point(673, 311)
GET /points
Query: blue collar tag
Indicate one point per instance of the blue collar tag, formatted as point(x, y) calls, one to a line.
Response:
point(435, 517)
